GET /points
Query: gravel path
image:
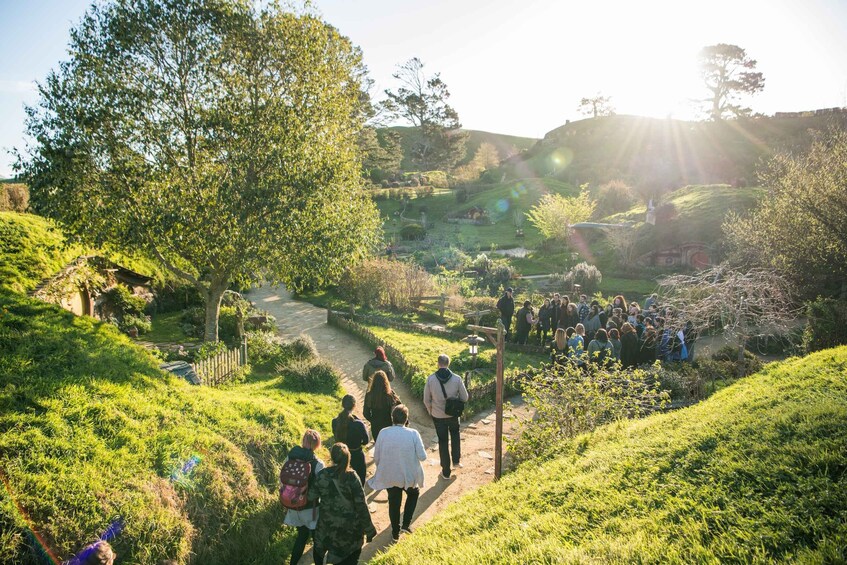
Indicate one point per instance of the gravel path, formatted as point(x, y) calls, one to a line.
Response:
point(349, 355)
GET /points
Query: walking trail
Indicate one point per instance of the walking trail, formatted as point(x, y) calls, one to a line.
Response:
point(349, 355)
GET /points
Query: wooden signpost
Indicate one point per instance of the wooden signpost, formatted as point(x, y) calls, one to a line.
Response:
point(497, 336)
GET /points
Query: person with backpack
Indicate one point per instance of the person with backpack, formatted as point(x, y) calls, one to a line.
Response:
point(379, 363)
point(444, 397)
point(398, 454)
point(344, 518)
point(351, 431)
point(524, 323)
point(594, 322)
point(297, 479)
point(379, 401)
point(600, 351)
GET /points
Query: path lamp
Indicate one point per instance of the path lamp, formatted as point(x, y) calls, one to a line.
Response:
point(497, 336)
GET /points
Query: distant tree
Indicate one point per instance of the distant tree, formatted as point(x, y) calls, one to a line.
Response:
point(380, 152)
point(554, 214)
point(800, 227)
point(210, 134)
point(597, 105)
point(728, 73)
point(485, 158)
point(421, 101)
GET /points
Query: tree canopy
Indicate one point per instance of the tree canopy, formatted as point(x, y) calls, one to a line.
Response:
point(421, 101)
point(597, 105)
point(555, 214)
point(800, 227)
point(728, 73)
point(215, 136)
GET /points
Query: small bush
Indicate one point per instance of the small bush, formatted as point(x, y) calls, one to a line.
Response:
point(587, 276)
point(177, 296)
point(124, 302)
point(18, 197)
point(140, 323)
point(729, 354)
point(385, 282)
point(303, 347)
point(227, 323)
point(480, 303)
point(461, 196)
point(827, 324)
point(310, 375)
point(613, 197)
point(412, 232)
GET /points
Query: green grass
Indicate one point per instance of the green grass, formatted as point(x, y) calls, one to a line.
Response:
point(501, 201)
point(422, 350)
point(632, 289)
point(31, 249)
point(167, 328)
point(90, 430)
point(756, 473)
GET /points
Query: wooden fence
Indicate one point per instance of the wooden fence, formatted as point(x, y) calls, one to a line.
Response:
point(221, 368)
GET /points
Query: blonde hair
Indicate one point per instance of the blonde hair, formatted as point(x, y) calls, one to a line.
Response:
point(311, 440)
point(561, 339)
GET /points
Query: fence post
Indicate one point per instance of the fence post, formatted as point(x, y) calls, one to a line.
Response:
point(244, 351)
point(443, 307)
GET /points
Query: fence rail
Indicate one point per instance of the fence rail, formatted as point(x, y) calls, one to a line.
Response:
point(221, 368)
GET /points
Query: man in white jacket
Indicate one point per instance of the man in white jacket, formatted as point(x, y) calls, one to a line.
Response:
point(435, 400)
point(398, 453)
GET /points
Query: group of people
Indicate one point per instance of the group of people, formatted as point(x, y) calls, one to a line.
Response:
point(336, 515)
point(588, 331)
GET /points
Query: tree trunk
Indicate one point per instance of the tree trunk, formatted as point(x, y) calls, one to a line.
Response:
point(213, 310)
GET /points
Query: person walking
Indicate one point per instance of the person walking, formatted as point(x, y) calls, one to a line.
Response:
point(344, 518)
point(506, 306)
point(379, 401)
point(398, 454)
point(305, 519)
point(440, 386)
point(351, 431)
point(379, 363)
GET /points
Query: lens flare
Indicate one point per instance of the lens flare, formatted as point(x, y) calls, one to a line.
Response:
point(186, 469)
point(37, 543)
point(502, 205)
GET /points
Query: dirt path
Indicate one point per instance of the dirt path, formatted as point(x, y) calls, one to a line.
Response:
point(349, 355)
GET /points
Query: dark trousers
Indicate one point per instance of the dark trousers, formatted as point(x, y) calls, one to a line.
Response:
point(303, 534)
point(357, 463)
point(542, 334)
point(352, 559)
point(395, 497)
point(448, 428)
point(507, 323)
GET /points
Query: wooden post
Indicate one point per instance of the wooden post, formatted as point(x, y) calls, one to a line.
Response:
point(498, 423)
point(443, 307)
point(244, 352)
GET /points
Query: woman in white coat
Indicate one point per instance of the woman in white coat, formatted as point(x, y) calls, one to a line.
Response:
point(398, 453)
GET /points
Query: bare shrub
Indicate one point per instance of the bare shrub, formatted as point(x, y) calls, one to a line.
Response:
point(18, 196)
point(385, 282)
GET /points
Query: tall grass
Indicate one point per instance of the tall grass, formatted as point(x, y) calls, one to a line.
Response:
point(756, 473)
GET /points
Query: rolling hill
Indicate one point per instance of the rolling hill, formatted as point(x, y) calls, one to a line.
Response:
point(756, 473)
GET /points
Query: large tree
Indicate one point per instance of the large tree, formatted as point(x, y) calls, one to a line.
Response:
point(218, 137)
point(728, 73)
point(597, 105)
point(421, 101)
point(800, 227)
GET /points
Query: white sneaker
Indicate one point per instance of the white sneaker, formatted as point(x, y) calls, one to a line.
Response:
point(458, 466)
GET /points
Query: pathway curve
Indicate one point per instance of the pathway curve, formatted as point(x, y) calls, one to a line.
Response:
point(349, 355)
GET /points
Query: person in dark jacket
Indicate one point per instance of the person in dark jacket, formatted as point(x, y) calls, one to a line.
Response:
point(506, 306)
point(629, 346)
point(379, 401)
point(544, 321)
point(305, 519)
point(562, 321)
point(555, 312)
point(524, 323)
point(583, 309)
point(649, 343)
point(351, 431)
point(379, 363)
point(344, 517)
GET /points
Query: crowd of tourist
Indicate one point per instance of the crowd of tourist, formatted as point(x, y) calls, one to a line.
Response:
point(585, 332)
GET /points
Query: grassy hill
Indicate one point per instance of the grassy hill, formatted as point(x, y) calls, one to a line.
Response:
point(33, 248)
point(501, 201)
point(663, 154)
point(92, 433)
point(756, 473)
point(506, 144)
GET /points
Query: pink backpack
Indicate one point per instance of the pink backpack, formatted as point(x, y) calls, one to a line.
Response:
point(294, 484)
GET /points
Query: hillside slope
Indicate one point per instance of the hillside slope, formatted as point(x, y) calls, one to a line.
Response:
point(756, 473)
point(93, 435)
point(664, 153)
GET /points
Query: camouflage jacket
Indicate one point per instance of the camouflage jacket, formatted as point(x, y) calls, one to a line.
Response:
point(344, 517)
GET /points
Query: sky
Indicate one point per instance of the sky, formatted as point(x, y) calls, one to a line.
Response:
point(520, 67)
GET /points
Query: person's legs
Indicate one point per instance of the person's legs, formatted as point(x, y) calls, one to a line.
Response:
point(455, 441)
point(395, 496)
point(441, 430)
point(409, 509)
point(319, 554)
point(299, 544)
point(357, 462)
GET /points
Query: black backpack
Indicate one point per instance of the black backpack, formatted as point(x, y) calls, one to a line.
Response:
point(454, 407)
